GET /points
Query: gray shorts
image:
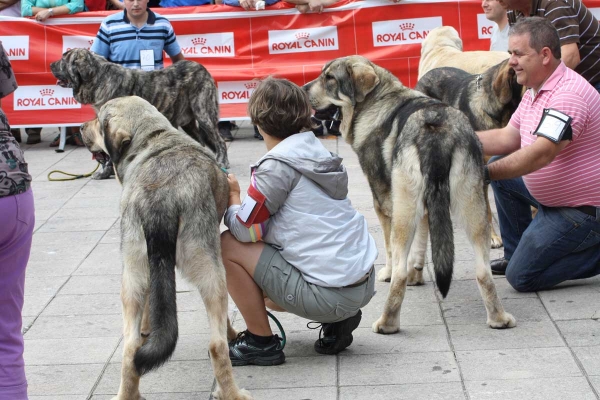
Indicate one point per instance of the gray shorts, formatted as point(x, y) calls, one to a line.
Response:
point(286, 287)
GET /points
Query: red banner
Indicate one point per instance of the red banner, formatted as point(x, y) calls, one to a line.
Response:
point(237, 46)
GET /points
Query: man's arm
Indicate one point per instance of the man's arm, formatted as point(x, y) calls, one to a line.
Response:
point(526, 160)
point(311, 5)
point(177, 57)
point(569, 53)
point(500, 141)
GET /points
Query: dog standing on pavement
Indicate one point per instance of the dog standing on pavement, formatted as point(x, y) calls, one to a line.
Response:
point(422, 160)
point(185, 92)
point(174, 196)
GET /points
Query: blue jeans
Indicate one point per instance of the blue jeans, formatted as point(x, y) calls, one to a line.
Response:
point(597, 87)
point(560, 244)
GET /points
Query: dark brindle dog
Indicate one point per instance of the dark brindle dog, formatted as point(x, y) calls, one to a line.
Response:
point(488, 99)
point(422, 161)
point(185, 93)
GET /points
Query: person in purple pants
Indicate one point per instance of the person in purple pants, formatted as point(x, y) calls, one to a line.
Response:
point(16, 229)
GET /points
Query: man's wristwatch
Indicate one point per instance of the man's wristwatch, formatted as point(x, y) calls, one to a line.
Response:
point(486, 175)
point(51, 12)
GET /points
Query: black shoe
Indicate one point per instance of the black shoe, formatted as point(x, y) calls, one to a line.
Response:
point(333, 127)
point(33, 135)
point(257, 134)
point(499, 266)
point(244, 350)
point(337, 336)
point(225, 131)
point(16, 133)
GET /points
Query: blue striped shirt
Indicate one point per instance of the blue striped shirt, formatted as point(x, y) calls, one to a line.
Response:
point(121, 42)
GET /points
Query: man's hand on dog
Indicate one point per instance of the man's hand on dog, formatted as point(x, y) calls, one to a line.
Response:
point(234, 190)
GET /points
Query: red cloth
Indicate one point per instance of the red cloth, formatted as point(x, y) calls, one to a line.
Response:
point(95, 5)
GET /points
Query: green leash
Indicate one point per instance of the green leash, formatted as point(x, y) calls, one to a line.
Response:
point(72, 176)
point(283, 340)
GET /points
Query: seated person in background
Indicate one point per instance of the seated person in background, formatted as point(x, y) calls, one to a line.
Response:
point(10, 8)
point(247, 5)
point(317, 6)
point(44, 9)
point(115, 5)
point(283, 252)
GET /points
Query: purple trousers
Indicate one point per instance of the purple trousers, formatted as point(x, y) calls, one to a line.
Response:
point(16, 229)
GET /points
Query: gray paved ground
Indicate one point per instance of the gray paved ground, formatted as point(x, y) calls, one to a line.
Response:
point(444, 350)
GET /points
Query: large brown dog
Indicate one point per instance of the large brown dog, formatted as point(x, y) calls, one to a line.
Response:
point(443, 48)
point(422, 159)
point(488, 99)
point(174, 196)
point(185, 93)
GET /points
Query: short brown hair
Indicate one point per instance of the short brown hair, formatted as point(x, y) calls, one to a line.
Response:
point(280, 108)
point(541, 34)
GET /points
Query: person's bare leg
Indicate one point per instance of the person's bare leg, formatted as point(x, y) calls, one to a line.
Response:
point(240, 261)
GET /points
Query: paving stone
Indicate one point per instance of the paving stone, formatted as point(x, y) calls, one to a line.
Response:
point(467, 290)
point(61, 397)
point(44, 285)
point(412, 313)
point(589, 358)
point(557, 388)
point(580, 332)
point(173, 377)
point(413, 391)
point(84, 304)
point(75, 326)
point(524, 336)
point(394, 369)
point(574, 302)
point(105, 259)
point(318, 393)
point(484, 365)
point(69, 351)
point(113, 235)
point(59, 380)
point(92, 284)
point(62, 267)
point(296, 372)
point(473, 312)
point(595, 382)
point(33, 305)
point(189, 347)
point(410, 339)
point(50, 247)
point(161, 396)
point(77, 225)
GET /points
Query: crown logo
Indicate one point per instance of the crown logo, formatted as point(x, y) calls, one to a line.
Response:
point(302, 35)
point(198, 40)
point(407, 26)
point(47, 92)
point(251, 85)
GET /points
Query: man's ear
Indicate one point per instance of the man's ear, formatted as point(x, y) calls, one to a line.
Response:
point(365, 80)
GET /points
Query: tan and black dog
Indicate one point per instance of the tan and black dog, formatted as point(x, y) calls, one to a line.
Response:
point(423, 161)
point(174, 196)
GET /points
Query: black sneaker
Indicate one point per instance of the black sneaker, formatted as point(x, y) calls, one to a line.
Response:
point(244, 350)
point(337, 336)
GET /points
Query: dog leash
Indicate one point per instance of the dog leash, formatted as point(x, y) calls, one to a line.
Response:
point(73, 176)
point(283, 340)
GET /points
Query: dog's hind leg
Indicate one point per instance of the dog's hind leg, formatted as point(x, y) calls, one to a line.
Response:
point(404, 223)
point(385, 274)
point(469, 201)
point(134, 287)
point(496, 241)
point(418, 254)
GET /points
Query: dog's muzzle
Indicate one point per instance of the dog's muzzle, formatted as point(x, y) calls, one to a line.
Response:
point(64, 83)
point(101, 157)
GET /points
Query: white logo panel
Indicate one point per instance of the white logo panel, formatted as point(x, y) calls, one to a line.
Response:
point(303, 40)
point(77, 42)
point(44, 97)
point(207, 45)
point(484, 27)
point(403, 31)
point(16, 47)
point(236, 91)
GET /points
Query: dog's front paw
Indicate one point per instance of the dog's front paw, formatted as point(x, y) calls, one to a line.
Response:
point(504, 320)
point(384, 274)
point(415, 277)
point(385, 327)
point(135, 397)
point(105, 173)
point(496, 241)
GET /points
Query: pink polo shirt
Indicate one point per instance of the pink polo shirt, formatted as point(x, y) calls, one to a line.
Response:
point(572, 179)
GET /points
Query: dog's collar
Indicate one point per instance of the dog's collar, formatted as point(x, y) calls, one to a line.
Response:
point(478, 81)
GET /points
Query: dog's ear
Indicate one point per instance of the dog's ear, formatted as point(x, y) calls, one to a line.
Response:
point(84, 65)
point(504, 82)
point(365, 80)
point(116, 142)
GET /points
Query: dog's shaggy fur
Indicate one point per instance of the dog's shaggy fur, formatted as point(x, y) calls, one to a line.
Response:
point(488, 99)
point(185, 92)
point(422, 160)
point(443, 48)
point(174, 195)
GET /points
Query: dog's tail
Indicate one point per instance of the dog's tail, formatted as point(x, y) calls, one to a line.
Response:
point(161, 342)
point(436, 166)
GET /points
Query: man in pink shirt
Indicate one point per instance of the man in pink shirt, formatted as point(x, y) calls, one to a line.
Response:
point(553, 142)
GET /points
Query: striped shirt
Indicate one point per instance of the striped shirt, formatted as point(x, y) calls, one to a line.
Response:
point(575, 24)
point(572, 179)
point(121, 42)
